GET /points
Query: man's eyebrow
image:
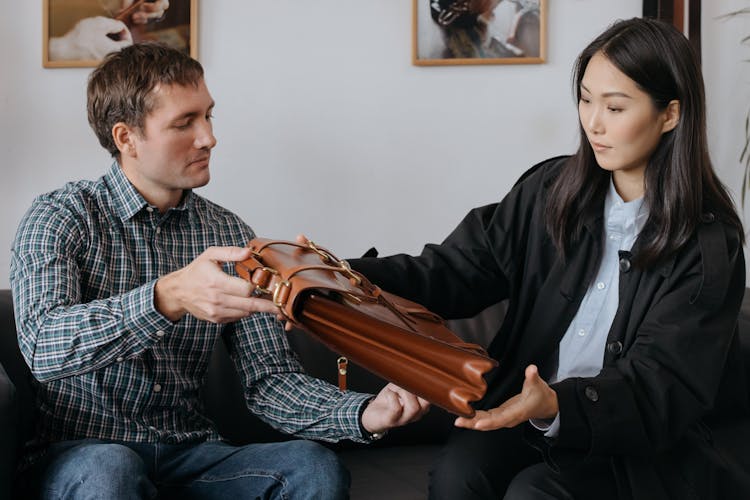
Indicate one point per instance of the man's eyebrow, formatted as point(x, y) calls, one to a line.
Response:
point(191, 114)
point(609, 94)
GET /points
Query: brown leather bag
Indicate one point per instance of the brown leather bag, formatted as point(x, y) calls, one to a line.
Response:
point(394, 338)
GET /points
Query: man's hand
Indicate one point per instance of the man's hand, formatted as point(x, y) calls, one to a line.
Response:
point(90, 38)
point(537, 400)
point(393, 407)
point(204, 290)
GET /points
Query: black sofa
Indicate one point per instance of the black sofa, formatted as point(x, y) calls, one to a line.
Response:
point(395, 467)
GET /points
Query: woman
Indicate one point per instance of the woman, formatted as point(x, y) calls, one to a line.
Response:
point(624, 273)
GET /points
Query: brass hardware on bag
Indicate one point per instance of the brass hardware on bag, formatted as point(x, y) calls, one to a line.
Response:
point(261, 289)
point(342, 363)
point(348, 271)
point(324, 256)
point(277, 293)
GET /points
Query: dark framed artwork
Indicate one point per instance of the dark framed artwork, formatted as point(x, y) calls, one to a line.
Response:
point(79, 33)
point(685, 15)
point(450, 32)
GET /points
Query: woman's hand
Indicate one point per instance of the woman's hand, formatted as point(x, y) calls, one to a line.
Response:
point(537, 400)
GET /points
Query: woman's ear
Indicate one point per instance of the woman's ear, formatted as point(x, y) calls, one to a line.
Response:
point(124, 138)
point(671, 115)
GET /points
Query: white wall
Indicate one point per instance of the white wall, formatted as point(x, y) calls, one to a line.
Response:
point(324, 126)
point(726, 69)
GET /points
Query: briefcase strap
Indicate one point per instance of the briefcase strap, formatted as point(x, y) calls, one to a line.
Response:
point(270, 282)
point(343, 365)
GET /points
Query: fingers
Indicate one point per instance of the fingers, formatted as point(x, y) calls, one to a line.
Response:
point(508, 414)
point(226, 254)
point(488, 420)
point(414, 407)
point(302, 239)
point(537, 400)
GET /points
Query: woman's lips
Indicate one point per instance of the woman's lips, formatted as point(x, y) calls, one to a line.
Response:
point(599, 147)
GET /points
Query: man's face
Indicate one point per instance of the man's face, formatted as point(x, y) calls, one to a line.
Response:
point(173, 150)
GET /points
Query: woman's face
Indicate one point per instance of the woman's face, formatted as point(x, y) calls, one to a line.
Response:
point(620, 121)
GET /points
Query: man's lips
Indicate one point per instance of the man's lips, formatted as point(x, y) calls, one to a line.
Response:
point(199, 160)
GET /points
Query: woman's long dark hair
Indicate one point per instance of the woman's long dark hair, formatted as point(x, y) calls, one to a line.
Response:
point(680, 182)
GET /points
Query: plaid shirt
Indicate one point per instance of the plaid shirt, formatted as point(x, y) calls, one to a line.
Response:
point(109, 365)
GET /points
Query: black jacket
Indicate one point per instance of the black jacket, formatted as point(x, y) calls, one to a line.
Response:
point(672, 381)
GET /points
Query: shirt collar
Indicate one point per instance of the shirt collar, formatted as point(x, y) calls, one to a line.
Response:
point(625, 216)
point(128, 202)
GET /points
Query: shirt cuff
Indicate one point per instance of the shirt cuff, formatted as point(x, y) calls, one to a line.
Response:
point(551, 428)
point(348, 413)
point(141, 317)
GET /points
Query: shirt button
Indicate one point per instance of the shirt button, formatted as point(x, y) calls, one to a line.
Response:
point(581, 332)
point(120, 359)
point(157, 387)
point(157, 230)
point(601, 286)
point(160, 333)
point(591, 393)
point(149, 209)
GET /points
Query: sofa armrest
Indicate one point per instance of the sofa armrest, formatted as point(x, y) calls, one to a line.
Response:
point(9, 432)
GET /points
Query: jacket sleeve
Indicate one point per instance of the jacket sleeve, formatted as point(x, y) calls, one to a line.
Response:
point(669, 375)
point(476, 265)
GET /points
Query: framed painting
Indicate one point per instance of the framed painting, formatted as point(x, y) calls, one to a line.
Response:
point(685, 15)
point(448, 32)
point(79, 33)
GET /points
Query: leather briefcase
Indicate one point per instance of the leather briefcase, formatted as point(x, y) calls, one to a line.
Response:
point(396, 339)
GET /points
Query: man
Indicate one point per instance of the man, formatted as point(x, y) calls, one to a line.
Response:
point(120, 297)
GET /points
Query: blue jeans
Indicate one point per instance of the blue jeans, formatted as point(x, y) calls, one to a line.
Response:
point(92, 468)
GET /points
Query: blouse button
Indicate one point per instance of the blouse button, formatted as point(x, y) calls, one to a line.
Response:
point(157, 387)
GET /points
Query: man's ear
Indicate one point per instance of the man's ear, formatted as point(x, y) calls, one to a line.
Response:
point(672, 115)
point(124, 137)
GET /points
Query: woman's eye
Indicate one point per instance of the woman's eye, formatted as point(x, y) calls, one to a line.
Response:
point(614, 110)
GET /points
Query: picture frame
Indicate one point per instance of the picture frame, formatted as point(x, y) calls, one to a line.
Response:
point(685, 15)
point(456, 32)
point(78, 33)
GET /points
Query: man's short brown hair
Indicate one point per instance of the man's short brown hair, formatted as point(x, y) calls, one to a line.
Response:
point(120, 88)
